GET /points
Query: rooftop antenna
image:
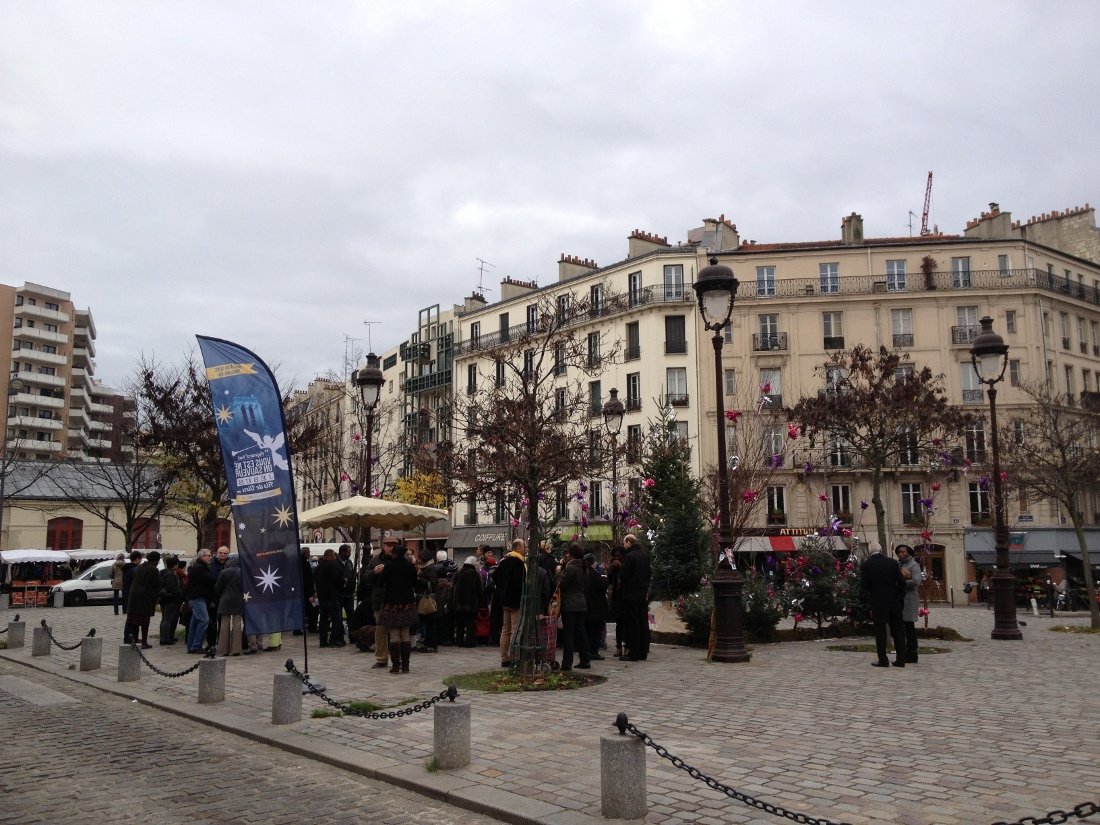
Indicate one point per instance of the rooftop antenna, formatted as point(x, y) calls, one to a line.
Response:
point(351, 355)
point(481, 288)
point(367, 324)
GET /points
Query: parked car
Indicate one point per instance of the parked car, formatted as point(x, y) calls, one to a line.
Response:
point(94, 584)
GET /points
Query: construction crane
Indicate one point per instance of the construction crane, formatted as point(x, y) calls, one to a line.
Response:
point(927, 203)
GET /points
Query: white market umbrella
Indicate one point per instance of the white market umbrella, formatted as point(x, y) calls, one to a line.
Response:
point(17, 556)
point(361, 511)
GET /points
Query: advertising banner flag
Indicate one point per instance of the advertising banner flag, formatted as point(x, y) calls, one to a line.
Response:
point(248, 413)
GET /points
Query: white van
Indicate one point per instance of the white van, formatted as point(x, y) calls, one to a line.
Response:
point(94, 584)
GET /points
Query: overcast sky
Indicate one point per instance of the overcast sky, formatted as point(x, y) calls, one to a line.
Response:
point(277, 173)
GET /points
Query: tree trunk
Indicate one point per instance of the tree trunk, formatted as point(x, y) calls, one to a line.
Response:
point(529, 605)
point(880, 511)
point(1090, 585)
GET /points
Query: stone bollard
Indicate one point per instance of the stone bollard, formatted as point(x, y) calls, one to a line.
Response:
point(286, 700)
point(452, 734)
point(211, 681)
point(91, 653)
point(59, 598)
point(17, 634)
point(40, 642)
point(5, 601)
point(622, 777)
point(129, 664)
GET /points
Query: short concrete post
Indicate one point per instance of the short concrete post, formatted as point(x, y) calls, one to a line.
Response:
point(91, 652)
point(5, 601)
point(40, 642)
point(129, 664)
point(286, 700)
point(622, 777)
point(17, 634)
point(211, 681)
point(452, 734)
point(59, 599)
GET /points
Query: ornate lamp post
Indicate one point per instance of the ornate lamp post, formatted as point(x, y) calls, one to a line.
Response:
point(368, 378)
point(716, 288)
point(613, 412)
point(989, 355)
point(15, 386)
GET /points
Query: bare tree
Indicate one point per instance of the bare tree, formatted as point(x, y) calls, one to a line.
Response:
point(1049, 448)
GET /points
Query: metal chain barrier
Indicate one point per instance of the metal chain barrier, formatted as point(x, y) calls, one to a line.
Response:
point(210, 653)
point(46, 627)
point(1082, 811)
point(450, 693)
point(5, 630)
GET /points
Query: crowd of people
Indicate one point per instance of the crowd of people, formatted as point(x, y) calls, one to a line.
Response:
point(399, 603)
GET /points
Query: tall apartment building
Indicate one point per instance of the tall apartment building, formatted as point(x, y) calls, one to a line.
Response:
point(56, 408)
point(1039, 280)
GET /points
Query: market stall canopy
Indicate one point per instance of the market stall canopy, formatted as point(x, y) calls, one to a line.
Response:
point(361, 511)
point(19, 556)
point(91, 555)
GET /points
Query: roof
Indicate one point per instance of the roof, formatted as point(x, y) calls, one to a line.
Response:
point(58, 480)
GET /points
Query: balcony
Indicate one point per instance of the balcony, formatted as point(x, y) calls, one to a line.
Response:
point(777, 517)
point(773, 401)
point(765, 342)
point(39, 357)
point(33, 422)
point(677, 399)
point(420, 353)
point(593, 361)
point(839, 459)
point(39, 379)
point(38, 446)
point(903, 339)
point(633, 404)
point(102, 409)
point(676, 347)
point(633, 352)
point(40, 334)
point(973, 396)
point(40, 313)
point(834, 342)
point(27, 399)
point(423, 383)
point(964, 334)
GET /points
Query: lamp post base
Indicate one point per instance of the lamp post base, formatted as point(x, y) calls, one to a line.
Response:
point(729, 617)
point(1004, 607)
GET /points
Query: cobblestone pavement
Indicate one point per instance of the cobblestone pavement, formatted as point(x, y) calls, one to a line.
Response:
point(987, 731)
point(73, 753)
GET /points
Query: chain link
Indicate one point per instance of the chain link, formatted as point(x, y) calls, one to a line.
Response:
point(208, 655)
point(450, 693)
point(5, 630)
point(46, 627)
point(1082, 811)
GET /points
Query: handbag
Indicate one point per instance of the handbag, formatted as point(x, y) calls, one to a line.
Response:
point(427, 605)
point(555, 603)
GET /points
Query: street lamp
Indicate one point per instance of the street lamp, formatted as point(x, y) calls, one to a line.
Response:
point(613, 412)
point(989, 356)
point(716, 288)
point(15, 386)
point(368, 378)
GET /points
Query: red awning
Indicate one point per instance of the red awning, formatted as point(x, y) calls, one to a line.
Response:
point(782, 544)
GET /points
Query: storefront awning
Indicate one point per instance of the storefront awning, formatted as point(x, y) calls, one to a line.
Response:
point(1094, 557)
point(467, 538)
point(778, 544)
point(1017, 559)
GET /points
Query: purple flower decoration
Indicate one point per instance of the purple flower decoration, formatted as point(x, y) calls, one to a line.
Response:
point(540, 496)
point(807, 467)
point(815, 570)
point(583, 487)
point(945, 458)
point(777, 461)
point(983, 482)
point(927, 502)
point(584, 521)
point(863, 505)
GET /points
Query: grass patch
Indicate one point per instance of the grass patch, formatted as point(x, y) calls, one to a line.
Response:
point(1074, 628)
point(363, 706)
point(325, 713)
point(927, 651)
point(432, 765)
point(504, 681)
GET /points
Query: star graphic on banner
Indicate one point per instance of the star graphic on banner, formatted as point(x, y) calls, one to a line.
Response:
point(263, 530)
point(282, 516)
point(269, 580)
point(241, 526)
point(247, 597)
point(225, 415)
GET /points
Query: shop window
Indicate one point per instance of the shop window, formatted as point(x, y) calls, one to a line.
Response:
point(64, 533)
point(145, 534)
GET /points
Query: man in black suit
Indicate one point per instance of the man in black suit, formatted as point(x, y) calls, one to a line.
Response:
point(881, 579)
point(634, 581)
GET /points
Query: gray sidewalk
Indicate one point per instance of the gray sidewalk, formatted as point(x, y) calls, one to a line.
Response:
point(991, 731)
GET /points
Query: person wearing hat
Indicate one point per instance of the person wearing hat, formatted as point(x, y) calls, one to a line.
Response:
point(911, 572)
point(467, 591)
point(398, 615)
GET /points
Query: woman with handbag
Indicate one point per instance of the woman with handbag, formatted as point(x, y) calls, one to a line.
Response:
point(398, 575)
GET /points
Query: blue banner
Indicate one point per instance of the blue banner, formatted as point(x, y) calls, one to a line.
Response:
point(248, 413)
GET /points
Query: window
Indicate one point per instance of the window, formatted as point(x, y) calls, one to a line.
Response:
point(596, 491)
point(595, 299)
point(830, 278)
point(49, 327)
point(471, 509)
point(911, 508)
point(839, 454)
point(1063, 325)
point(729, 378)
point(832, 325)
point(504, 328)
point(768, 325)
point(633, 443)
point(52, 350)
point(835, 379)
point(561, 502)
point(41, 370)
point(223, 529)
point(471, 379)
point(680, 429)
point(895, 276)
point(1046, 325)
point(55, 307)
point(633, 342)
point(971, 386)
point(559, 359)
point(593, 349)
point(773, 443)
point(1003, 266)
point(1082, 339)
point(561, 399)
point(563, 307)
point(675, 334)
point(903, 373)
point(1094, 334)
point(146, 534)
point(979, 502)
point(840, 496)
point(1086, 379)
point(1017, 431)
point(1014, 372)
point(777, 505)
point(532, 318)
point(499, 513)
point(634, 391)
point(1069, 382)
point(500, 373)
point(901, 323)
point(676, 386)
point(771, 386)
point(974, 441)
point(765, 281)
point(966, 328)
point(634, 288)
point(909, 453)
point(727, 332)
point(674, 282)
point(64, 534)
point(595, 399)
point(960, 273)
point(528, 364)
point(475, 333)
point(1010, 321)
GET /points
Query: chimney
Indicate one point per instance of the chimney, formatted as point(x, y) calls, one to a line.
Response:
point(570, 266)
point(719, 234)
point(513, 288)
point(641, 243)
point(851, 229)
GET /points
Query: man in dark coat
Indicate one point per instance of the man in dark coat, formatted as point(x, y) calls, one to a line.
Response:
point(329, 581)
point(881, 580)
point(509, 577)
point(595, 616)
point(309, 601)
point(634, 580)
